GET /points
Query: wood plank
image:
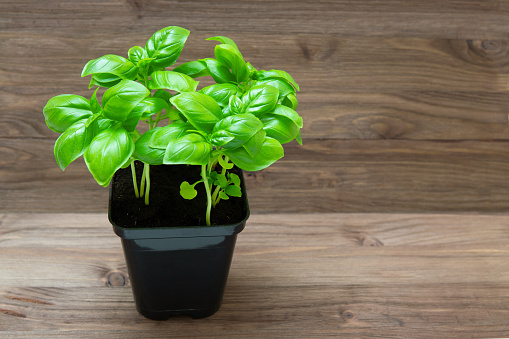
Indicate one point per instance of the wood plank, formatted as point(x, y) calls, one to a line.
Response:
point(434, 18)
point(305, 275)
point(364, 88)
point(320, 176)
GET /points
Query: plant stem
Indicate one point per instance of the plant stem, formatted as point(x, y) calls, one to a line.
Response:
point(143, 176)
point(147, 191)
point(207, 190)
point(135, 183)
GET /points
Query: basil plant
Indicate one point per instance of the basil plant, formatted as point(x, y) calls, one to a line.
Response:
point(243, 119)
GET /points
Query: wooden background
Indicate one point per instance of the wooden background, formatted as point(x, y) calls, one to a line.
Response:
point(405, 102)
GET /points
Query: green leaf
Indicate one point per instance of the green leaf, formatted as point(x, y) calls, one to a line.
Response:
point(233, 191)
point(202, 111)
point(270, 152)
point(234, 179)
point(172, 81)
point(194, 69)
point(221, 92)
point(224, 40)
point(280, 128)
point(191, 149)
point(145, 153)
point(277, 74)
point(236, 106)
point(221, 180)
point(111, 67)
point(104, 80)
point(290, 101)
point(224, 164)
point(166, 45)
point(288, 113)
point(164, 135)
point(165, 95)
point(136, 54)
point(254, 144)
point(283, 87)
point(229, 56)
point(72, 143)
point(299, 138)
point(223, 195)
point(187, 191)
point(107, 152)
point(64, 110)
point(241, 126)
point(95, 106)
point(220, 73)
point(260, 99)
point(119, 100)
point(149, 106)
point(221, 138)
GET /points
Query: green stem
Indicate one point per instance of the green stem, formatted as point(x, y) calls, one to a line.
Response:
point(147, 191)
point(143, 176)
point(135, 183)
point(207, 190)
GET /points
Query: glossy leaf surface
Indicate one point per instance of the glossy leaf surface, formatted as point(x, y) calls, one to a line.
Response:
point(72, 143)
point(191, 149)
point(241, 126)
point(64, 110)
point(145, 153)
point(194, 69)
point(221, 92)
point(260, 99)
point(270, 152)
point(119, 100)
point(172, 81)
point(200, 110)
point(166, 45)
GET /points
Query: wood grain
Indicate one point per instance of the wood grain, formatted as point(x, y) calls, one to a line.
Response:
point(293, 276)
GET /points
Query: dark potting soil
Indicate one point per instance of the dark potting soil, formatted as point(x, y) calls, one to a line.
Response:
point(166, 207)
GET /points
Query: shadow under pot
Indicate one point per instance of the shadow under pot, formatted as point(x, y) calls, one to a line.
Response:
point(175, 269)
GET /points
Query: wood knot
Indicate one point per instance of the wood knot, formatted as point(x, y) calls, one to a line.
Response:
point(348, 315)
point(488, 52)
point(491, 44)
point(318, 49)
point(117, 279)
point(370, 242)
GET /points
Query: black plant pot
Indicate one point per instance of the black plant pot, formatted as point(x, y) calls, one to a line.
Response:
point(178, 270)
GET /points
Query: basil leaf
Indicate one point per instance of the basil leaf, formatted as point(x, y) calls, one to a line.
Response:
point(191, 149)
point(194, 69)
point(202, 111)
point(145, 153)
point(119, 100)
point(64, 110)
point(111, 67)
point(164, 135)
point(221, 92)
point(280, 128)
point(72, 143)
point(270, 152)
point(241, 126)
point(107, 152)
point(220, 73)
point(166, 45)
point(136, 54)
point(220, 138)
point(299, 138)
point(277, 74)
point(283, 87)
point(233, 191)
point(230, 57)
point(104, 80)
point(288, 113)
point(290, 101)
point(224, 40)
point(236, 106)
point(165, 95)
point(95, 106)
point(173, 81)
point(187, 191)
point(150, 106)
point(260, 99)
point(254, 144)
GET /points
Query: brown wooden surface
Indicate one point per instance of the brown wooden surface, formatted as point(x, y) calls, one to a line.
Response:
point(292, 276)
point(405, 102)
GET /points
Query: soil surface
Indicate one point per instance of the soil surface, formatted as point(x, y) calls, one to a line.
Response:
point(167, 208)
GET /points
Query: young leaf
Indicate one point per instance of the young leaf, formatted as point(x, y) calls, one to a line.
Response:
point(277, 74)
point(191, 149)
point(119, 100)
point(136, 54)
point(221, 92)
point(260, 99)
point(290, 101)
point(166, 45)
point(230, 57)
point(224, 40)
point(187, 191)
point(149, 106)
point(280, 128)
point(114, 67)
point(72, 143)
point(254, 144)
point(223, 195)
point(224, 164)
point(221, 138)
point(233, 191)
point(236, 106)
point(194, 69)
point(220, 73)
point(173, 81)
point(145, 153)
point(270, 152)
point(241, 126)
point(64, 110)
point(107, 152)
point(221, 181)
point(234, 179)
point(200, 110)
point(95, 106)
